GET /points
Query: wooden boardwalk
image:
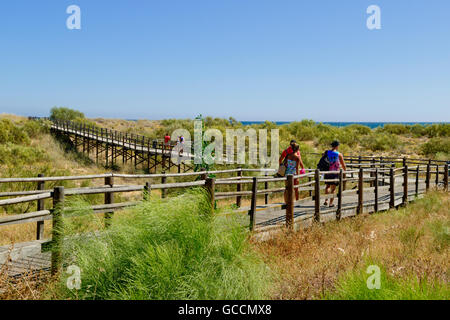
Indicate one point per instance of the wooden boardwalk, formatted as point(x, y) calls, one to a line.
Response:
point(110, 146)
point(273, 216)
point(28, 257)
point(113, 140)
point(369, 185)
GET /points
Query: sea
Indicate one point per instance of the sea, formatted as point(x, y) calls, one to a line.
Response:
point(343, 124)
point(371, 125)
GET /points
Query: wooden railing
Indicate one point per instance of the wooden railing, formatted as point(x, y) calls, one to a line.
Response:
point(367, 180)
point(140, 144)
point(135, 141)
point(376, 176)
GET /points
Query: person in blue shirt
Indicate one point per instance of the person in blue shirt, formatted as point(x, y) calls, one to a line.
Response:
point(336, 161)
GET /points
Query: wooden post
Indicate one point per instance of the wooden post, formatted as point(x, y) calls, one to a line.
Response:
point(446, 177)
point(372, 173)
point(96, 151)
point(147, 191)
point(127, 148)
point(106, 152)
point(40, 206)
point(317, 196)
point(135, 152)
point(239, 188)
point(376, 190)
point(266, 186)
point(84, 144)
point(437, 175)
point(360, 191)
point(163, 157)
point(405, 185)
point(417, 180)
point(210, 186)
point(204, 175)
point(87, 140)
point(252, 211)
point(382, 170)
point(392, 188)
point(149, 155)
point(156, 160)
point(428, 176)
point(290, 202)
point(123, 150)
point(109, 199)
point(310, 191)
point(163, 181)
point(340, 189)
point(57, 229)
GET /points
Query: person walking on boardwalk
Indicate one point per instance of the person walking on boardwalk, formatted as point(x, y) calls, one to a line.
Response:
point(288, 151)
point(292, 162)
point(335, 160)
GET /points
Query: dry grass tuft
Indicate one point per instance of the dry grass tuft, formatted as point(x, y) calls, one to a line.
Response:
point(408, 242)
point(30, 286)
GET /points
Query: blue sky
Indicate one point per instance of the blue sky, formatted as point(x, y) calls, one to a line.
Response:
point(250, 59)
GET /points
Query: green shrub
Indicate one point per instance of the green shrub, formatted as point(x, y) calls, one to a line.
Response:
point(395, 128)
point(380, 142)
point(438, 130)
point(35, 128)
point(418, 130)
point(173, 249)
point(9, 132)
point(358, 128)
point(302, 131)
point(65, 114)
point(436, 145)
point(12, 154)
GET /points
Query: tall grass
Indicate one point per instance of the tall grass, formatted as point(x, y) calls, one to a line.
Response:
point(353, 286)
point(173, 249)
point(410, 245)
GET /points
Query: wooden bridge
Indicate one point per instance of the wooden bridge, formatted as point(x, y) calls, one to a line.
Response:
point(369, 185)
point(111, 146)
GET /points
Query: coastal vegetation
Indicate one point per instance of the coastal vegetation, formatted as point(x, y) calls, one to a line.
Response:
point(391, 139)
point(28, 141)
point(175, 249)
point(411, 247)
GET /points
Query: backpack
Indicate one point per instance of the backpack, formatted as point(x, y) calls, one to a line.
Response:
point(324, 163)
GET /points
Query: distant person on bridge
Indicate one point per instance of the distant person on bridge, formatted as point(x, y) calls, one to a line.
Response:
point(292, 162)
point(335, 160)
point(167, 139)
point(181, 142)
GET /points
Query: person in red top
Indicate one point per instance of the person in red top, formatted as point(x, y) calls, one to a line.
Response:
point(166, 139)
point(290, 150)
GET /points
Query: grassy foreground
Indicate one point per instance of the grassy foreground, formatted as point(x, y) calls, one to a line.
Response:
point(410, 246)
point(175, 249)
point(172, 249)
